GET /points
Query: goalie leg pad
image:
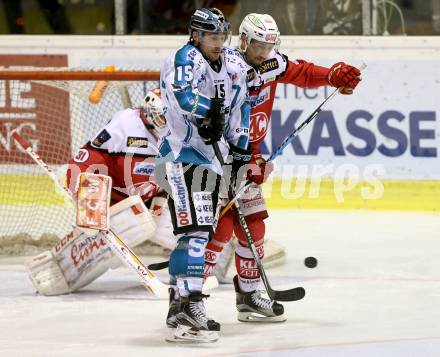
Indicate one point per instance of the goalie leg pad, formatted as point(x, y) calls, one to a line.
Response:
point(46, 275)
point(164, 235)
point(81, 258)
point(71, 264)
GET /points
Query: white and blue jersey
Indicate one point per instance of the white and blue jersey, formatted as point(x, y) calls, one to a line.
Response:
point(187, 83)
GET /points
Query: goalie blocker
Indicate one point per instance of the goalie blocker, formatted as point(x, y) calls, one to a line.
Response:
point(80, 258)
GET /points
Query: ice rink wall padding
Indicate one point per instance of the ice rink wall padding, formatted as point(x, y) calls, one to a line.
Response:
point(377, 149)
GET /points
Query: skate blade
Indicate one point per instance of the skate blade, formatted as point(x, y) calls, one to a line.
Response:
point(185, 334)
point(252, 317)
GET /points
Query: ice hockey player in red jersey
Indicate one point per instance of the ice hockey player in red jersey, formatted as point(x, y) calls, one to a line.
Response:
point(259, 40)
point(125, 150)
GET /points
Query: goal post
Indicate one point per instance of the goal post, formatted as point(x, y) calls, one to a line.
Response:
point(55, 111)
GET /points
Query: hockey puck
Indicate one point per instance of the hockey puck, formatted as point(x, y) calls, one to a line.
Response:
point(310, 262)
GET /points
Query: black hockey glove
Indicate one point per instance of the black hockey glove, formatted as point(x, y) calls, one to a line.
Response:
point(240, 158)
point(213, 125)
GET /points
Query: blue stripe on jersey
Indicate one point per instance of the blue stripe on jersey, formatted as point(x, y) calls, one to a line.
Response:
point(183, 66)
point(245, 117)
point(188, 130)
point(183, 77)
point(164, 149)
point(237, 89)
point(192, 156)
point(194, 104)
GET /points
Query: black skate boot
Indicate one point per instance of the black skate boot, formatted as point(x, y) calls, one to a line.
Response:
point(252, 307)
point(174, 307)
point(192, 323)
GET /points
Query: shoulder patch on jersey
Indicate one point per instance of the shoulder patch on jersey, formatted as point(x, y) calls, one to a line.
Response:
point(186, 55)
point(268, 65)
point(134, 141)
point(101, 138)
point(250, 75)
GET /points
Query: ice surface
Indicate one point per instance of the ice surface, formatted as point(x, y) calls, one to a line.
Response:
point(375, 292)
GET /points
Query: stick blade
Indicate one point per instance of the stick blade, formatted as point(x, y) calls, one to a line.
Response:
point(294, 294)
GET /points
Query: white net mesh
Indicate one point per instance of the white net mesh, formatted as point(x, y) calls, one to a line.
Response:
point(57, 118)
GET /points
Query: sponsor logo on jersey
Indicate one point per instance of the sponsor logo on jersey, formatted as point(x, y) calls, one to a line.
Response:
point(180, 194)
point(268, 65)
point(202, 202)
point(263, 96)
point(201, 83)
point(143, 168)
point(242, 130)
point(250, 75)
point(133, 141)
point(259, 126)
point(101, 138)
point(192, 54)
point(81, 156)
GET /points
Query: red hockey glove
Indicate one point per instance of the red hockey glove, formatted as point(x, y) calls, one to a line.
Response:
point(259, 169)
point(342, 75)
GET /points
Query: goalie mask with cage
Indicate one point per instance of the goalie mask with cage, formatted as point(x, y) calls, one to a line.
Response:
point(212, 27)
point(154, 109)
point(261, 28)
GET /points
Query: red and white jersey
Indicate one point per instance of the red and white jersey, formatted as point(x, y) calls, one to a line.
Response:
point(124, 149)
point(262, 86)
point(127, 133)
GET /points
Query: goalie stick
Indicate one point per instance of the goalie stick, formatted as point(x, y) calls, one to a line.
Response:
point(280, 295)
point(150, 281)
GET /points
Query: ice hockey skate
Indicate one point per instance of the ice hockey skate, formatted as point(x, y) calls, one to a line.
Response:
point(192, 324)
point(174, 307)
point(252, 307)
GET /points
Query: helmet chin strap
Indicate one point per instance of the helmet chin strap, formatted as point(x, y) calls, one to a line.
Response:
point(246, 44)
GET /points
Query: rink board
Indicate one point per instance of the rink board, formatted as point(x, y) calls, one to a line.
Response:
point(287, 193)
point(387, 131)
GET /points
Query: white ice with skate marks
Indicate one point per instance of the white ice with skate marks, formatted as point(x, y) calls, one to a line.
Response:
point(375, 292)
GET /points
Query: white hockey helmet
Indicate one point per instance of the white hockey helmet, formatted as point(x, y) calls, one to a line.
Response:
point(154, 108)
point(260, 27)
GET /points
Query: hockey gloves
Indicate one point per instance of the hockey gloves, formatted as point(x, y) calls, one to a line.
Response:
point(240, 159)
point(342, 75)
point(213, 125)
point(259, 169)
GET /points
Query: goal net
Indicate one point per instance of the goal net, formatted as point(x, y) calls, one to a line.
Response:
point(57, 111)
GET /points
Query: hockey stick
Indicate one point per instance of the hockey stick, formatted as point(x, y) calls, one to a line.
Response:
point(280, 295)
point(280, 149)
point(150, 281)
point(286, 142)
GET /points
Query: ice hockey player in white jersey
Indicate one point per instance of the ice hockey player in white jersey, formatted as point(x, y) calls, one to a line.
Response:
point(124, 149)
point(205, 101)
